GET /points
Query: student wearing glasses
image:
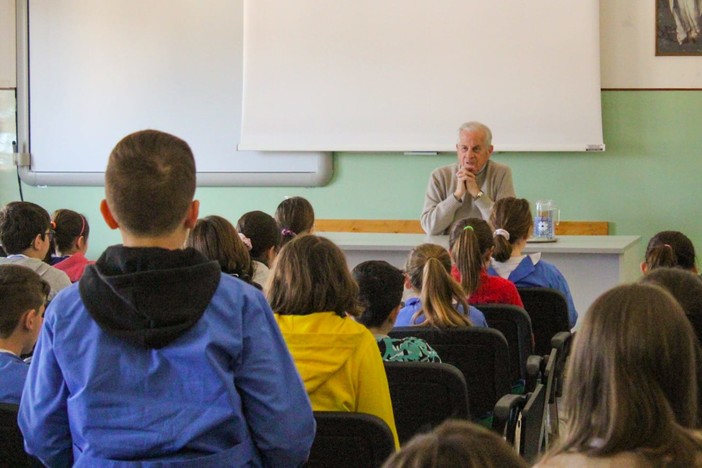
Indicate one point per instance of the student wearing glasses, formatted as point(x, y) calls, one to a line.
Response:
point(25, 233)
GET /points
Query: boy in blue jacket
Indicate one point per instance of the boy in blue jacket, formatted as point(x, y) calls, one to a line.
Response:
point(23, 294)
point(155, 357)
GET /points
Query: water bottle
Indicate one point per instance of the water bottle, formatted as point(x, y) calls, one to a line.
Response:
point(547, 216)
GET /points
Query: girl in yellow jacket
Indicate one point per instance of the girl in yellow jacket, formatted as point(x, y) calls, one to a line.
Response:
point(312, 294)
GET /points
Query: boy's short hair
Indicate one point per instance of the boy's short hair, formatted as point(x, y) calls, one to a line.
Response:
point(150, 182)
point(20, 222)
point(21, 289)
point(380, 290)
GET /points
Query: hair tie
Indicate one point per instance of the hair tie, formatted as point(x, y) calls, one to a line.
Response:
point(246, 241)
point(82, 228)
point(288, 232)
point(501, 232)
point(468, 228)
point(668, 245)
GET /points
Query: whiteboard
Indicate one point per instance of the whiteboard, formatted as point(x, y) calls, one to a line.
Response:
point(98, 70)
point(402, 75)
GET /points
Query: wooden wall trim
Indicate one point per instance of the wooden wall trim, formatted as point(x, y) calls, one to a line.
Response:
point(412, 226)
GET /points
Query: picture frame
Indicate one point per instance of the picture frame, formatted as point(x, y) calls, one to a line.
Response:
point(678, 27)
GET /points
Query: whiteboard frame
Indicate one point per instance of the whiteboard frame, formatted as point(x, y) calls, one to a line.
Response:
point(320, 176)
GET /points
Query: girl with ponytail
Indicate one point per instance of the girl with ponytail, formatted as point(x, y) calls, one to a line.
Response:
point(71, 232)
point(671, 249)
point(295, 216)
point(442, 301)
point(471, 245)
point(514, 224)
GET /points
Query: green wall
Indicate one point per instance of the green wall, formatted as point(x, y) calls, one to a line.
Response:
point(646, 181)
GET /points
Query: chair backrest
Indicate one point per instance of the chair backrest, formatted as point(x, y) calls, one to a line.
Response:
point(562, 343)
point(11, 440)
point(481, 354)
point(424, 394)
point(514, 323)
point(548, 311)
point(532, 425)
point(550, 373)
point(350, 440)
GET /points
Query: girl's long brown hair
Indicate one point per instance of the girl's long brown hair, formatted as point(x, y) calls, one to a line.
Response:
point(310, 275)
point(632, 379)
point(429, 270)
point(217, 239)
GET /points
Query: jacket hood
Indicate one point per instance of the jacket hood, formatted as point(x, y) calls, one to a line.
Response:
point(148, 296)
point(321, 344)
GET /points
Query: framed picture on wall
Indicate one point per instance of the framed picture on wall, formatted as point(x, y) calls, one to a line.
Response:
point(678, 27)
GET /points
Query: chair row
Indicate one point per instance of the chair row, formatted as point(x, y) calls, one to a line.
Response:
point(493, 360)
point(423, 395)
point(426, 394)
point(487, 361)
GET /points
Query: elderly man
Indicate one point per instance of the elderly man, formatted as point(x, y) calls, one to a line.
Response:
point(469, 187)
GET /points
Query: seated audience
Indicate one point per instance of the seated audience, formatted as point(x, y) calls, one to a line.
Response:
point(294, 215)
point(686, 288)
point(631, 386)
point(514, 224)
point(670, 249)
point(263, 234)
point(442, 301)
point(456, 444)
point(216, 238)
point(312, 294)
point(470, 269)
point(25, 233)
point(380, 292)
point(156, 357)
point(23, 294)
point(71, 232)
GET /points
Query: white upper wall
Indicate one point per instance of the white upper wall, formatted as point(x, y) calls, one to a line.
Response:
point(627, 35)
point(628, 50)
point(8, 76)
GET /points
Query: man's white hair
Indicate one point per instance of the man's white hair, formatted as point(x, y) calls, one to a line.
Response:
point(474, 126)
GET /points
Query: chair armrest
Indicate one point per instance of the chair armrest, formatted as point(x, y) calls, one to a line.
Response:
point(505, 416)
point(560, 340)
point(533, 372)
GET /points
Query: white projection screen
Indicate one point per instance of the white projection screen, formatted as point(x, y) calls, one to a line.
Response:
point(402, 75)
